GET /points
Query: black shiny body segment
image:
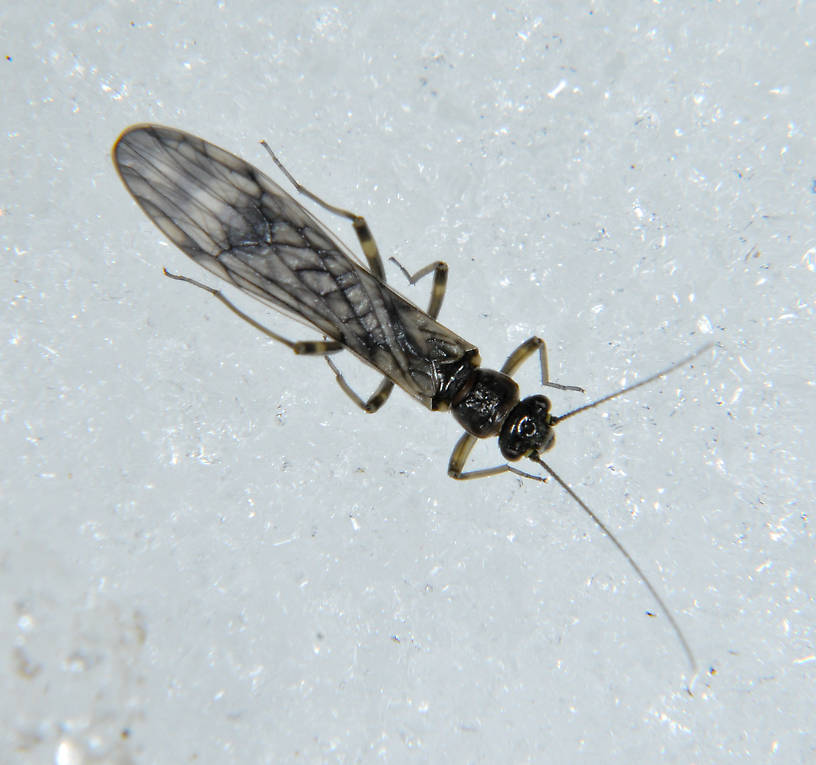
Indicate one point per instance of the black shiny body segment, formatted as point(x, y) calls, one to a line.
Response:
point(451, 377)
point(528, 429)
point(483, 402)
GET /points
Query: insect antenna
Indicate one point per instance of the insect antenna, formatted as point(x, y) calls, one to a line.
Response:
point(637, 569)
point(599, 523)
point(633, 386)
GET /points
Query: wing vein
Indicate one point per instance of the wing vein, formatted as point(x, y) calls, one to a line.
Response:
point(240, 225)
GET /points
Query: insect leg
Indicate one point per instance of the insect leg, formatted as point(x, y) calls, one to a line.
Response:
point(373, 402)
point(375, 265)
point(367, 243)
point(302, 347)
point(440, 281)
point(380, 396)
point(527, 349)
point(459, 457)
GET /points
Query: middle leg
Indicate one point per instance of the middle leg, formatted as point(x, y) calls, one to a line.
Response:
point(375, 265)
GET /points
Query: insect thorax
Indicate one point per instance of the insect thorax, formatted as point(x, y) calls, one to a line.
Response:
point(483, 402)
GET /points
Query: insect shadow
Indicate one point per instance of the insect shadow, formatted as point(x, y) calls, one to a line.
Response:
point(236, 222)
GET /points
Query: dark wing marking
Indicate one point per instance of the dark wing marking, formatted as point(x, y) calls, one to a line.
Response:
point(239, 224)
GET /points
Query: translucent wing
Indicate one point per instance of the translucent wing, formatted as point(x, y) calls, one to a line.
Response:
point(239, 224)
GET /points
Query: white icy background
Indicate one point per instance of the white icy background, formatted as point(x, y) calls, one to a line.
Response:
point(208, 553)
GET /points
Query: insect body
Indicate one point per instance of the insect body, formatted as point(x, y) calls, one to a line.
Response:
point(236, 222)
point(239, 224)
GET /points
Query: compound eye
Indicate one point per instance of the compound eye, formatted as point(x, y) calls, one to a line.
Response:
point(526, 429)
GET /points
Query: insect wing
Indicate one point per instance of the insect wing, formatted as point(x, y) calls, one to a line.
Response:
point(239, 224)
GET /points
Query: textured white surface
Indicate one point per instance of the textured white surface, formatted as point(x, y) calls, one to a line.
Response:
point(208, 553)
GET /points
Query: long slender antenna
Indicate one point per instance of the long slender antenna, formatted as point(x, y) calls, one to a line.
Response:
point(634, 386)
point(637, 569)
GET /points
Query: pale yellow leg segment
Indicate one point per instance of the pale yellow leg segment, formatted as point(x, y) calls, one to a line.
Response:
point(367, 243)
point(527, 349)
point(301, 347)
point(440, 283)
point(375, 265)
point(373, 402)
point(459, 457)
point(440, 269)
point(380, 396)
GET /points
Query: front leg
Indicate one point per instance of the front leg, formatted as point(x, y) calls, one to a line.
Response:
point(459, 457)
point(527, 349)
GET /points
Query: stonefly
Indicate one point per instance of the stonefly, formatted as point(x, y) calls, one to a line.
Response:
point(239, 224)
